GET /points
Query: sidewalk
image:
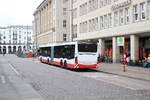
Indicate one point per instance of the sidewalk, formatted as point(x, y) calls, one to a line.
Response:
point(131, 71)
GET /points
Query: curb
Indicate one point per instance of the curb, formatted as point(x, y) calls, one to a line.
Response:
point(124, 76)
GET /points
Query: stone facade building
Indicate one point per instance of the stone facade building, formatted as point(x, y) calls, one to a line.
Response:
point(104, 21)
point(108, 20)
point(14, 38)
point(51, 22)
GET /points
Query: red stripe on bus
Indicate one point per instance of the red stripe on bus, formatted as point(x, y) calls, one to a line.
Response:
point(70, 65)
point(56, 62)
point(87, 66)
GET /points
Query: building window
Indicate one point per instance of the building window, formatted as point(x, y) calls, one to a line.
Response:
point(64, 23)
point(116, 18)
point(96, 24)
point(64, 37)
point(64, 1)
point(127, 19)
point(143, 11)
point(101, 3)
point(109, 20)
point(64, 11)
point(105, 21)
point(109, 2)
point(148, 9)
point(101, 22)
point(104, 2)
point(83, 27)
point(93, 5)
point(135, 13)
point(121, 16)
point(75, 13)
point(74, 1)
point(74, 31)
point(83, 9)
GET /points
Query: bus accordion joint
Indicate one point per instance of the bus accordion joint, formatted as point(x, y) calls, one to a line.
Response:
point(76, 60)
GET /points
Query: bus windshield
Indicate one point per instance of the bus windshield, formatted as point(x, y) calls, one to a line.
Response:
point(87, 47)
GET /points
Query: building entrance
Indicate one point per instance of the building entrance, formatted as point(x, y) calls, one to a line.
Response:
point(144, 47)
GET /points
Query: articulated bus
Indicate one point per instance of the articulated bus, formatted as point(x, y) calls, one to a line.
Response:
point(72, 55)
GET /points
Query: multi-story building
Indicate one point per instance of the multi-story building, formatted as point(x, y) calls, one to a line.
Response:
point(108, 21)
point(15, 37)
point(52, 22)
point(119, 26)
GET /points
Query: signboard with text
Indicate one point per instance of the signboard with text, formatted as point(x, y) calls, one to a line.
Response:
point(120, 41)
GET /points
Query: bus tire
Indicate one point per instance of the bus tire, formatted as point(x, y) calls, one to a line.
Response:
point(41, 59)
point(61, 63)
point(65, 64)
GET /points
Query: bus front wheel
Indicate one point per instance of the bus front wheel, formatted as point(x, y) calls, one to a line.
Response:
point(61, 63)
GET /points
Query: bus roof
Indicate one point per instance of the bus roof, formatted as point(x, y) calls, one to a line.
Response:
point(57, 44)
point(63, 43)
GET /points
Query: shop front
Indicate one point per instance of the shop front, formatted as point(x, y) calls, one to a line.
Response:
point(144, 47)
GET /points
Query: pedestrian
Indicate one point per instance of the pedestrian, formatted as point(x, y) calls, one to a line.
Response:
point(33, 55)
point(3, 53)
point(147, 62)
point(128, 60)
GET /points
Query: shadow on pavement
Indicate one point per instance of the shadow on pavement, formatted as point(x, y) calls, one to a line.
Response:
point(83, 70)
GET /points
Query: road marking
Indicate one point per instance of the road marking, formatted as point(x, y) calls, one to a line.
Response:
point(3, 79)
point(15, 70)
point(115, 76)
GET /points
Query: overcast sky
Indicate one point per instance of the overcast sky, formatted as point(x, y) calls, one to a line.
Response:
point(17, 12)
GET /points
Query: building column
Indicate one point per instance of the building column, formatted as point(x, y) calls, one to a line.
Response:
point(134, 45)
point(2, 48)
point(116, 52)
point(6, 49)
point(11, 48)
point(16, 48)
point(101, 47)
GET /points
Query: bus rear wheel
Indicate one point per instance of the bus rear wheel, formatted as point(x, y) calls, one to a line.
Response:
point(41, 60)
point(48, 60)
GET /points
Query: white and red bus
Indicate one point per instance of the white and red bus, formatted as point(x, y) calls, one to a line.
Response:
point(71, 55)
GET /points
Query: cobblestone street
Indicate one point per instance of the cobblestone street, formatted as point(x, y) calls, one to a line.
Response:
point(54, 83)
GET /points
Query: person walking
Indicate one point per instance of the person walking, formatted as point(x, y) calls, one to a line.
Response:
point(147, 62)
